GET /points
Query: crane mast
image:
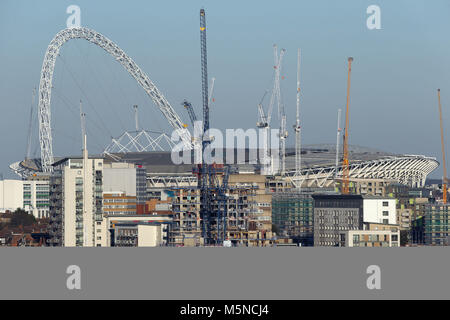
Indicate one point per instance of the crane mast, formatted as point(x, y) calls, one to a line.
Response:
point(297, 127)
point(211, 91)
point(210, 189)
point(265, 118)
point(30, 126)
point(264, 128)
point(205, 211)
point(444, 178)
point(190, 111)
point(338, 134)
point(283, 134)
point(345, 163)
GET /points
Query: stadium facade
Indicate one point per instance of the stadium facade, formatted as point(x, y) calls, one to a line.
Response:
point(318, 167)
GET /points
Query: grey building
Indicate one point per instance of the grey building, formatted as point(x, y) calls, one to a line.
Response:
point(127, 178)
point(335, 214)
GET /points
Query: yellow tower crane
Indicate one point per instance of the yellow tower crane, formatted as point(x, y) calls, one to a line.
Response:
point(345, 163)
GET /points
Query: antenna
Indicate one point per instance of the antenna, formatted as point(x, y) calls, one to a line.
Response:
point(83, 124)
point(85, 166)
point(136, 117)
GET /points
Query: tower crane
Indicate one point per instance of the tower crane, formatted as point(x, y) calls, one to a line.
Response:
point(297, 127)
point(205, 170)
point(190, 111)
point(30, 126)
point(444, 178)
point(283, 134)
point(345, 163)
point(209, 188)
point(264, 119)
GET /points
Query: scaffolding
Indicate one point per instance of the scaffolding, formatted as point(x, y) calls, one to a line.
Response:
point(241, 222)
point(293, 216)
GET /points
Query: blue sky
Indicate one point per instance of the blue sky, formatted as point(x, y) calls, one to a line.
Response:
point(395, 73)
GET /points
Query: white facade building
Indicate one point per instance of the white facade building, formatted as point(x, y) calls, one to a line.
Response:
point(36, 198)
point(379, 210)
point(148, 230)
point(31, 196)
point(126, 178)
point(370, 238)
point(76, 202)
point(11, 195)
point(119, 177)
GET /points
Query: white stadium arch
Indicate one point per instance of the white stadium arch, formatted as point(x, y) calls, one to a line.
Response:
point(45, 87)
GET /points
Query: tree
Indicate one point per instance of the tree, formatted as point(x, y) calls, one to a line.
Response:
point(21, 218)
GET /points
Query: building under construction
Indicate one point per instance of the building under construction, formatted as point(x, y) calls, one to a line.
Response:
point(247, 212)
point(293, 217)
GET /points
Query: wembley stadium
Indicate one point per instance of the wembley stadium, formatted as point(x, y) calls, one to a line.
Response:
point(318, 170)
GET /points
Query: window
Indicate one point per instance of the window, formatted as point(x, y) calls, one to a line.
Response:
point(385, 221)
point(394, 237)
point(385, 213)
point(385, 203)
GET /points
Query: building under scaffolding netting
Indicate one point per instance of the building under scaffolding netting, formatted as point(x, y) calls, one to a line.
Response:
point(293, 217)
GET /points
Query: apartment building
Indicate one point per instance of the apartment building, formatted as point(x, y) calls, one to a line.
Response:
point(409, 204)
point(370, 238)
point(248, 207)
point(76, 202)
point(118, 203)
point(433, 228)
point(380, 210)
point(31, 195)
point(36, 197)
point(187, 226)
point(369, 187)
point(337, 213)
point(293, 217)
point(249, 210)
point(128, 179)
point(334, 214)
point(11, 195)
point(120, 230)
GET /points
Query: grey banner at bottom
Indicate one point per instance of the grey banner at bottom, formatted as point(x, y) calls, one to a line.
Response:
point(225, 273)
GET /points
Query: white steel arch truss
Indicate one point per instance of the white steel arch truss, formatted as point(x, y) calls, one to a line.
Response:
point(411, 170)
point(140, 141)
point(45, 86)
point(171, 181)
